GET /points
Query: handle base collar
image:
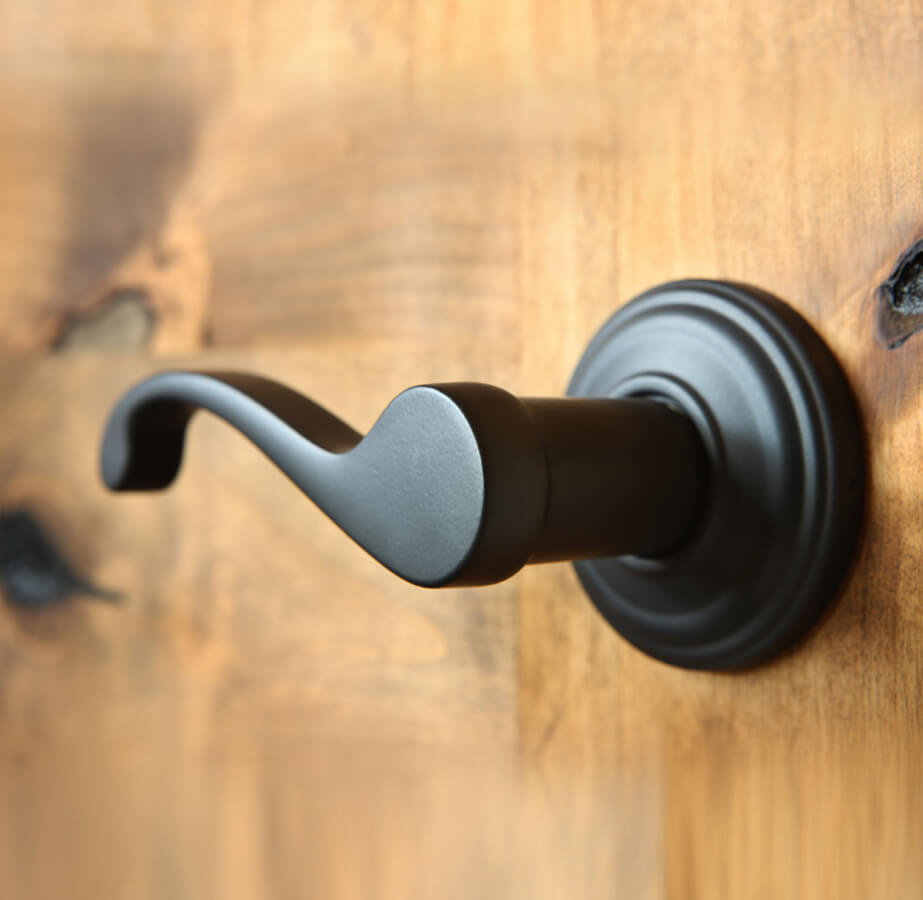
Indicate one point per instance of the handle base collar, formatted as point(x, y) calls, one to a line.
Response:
point(786, 493)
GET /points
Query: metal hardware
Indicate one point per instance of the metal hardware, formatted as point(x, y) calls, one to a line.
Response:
point(706, 471)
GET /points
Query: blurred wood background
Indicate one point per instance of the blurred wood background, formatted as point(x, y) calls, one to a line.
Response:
point(353, 198)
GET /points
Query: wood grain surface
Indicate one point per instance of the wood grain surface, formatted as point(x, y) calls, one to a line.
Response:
point(354, 198)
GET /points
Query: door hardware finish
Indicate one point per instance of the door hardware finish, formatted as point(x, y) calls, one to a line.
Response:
point(705, 472)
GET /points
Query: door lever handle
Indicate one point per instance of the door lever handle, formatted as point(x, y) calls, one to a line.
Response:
point(706, 472)
point(455, 484)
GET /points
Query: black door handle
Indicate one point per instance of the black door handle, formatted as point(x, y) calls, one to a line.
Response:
point(455, 483)
point(701, 395)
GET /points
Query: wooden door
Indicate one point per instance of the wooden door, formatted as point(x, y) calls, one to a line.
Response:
point(354, 198)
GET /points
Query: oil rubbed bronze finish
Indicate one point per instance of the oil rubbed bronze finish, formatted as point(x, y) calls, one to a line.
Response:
point(706, 471)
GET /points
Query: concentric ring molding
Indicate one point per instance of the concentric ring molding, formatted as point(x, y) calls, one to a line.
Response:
point(784, 503)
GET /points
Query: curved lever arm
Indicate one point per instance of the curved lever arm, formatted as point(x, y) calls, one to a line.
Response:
point(455, 483)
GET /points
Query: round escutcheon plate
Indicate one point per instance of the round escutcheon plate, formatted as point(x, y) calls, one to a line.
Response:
point(784, 501)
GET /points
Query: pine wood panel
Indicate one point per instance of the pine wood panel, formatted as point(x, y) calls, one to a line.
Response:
point(359, 197)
